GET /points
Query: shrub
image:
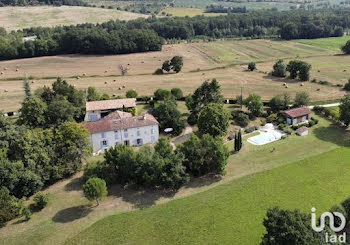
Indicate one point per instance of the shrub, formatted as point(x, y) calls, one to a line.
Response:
point(339, 209)
point(242, 119)
point(41, 200)
point(295, 127)
point(347, 86)
point(346, 206)
point(158, 72)
point(27, 213)
point(251, 66)
point(271, 118)
point(131, 93)
point(311, 123)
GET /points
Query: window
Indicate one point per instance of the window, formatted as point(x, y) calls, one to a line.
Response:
point(126, 142)
point(139, 141)
point(152, 131)
point(153, 139)
point(103, 135)
point(93, 118)
point(116, 135)
point(126, 135)
point(138, 132)
point(104, 143)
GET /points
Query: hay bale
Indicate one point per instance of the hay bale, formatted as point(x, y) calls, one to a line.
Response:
point(120, 88)
point(105, 82)
point(5, 68)
point(286, 86)
point(32, 81)
point(318, 89)
point(106, 71)
point(17, 69)
point(123, 86)
point(302, 84)
point(113, 95)
point(5, 90)
point(2, 73)
point(84, 74)
point(114, 80)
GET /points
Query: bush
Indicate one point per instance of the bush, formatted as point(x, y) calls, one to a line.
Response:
point(41, 200)
point(295, 127)
point(271, 118)
point(27, 213)
point(242, 119)
point(131, 93)
point(347, 86)
point(311, 123)
point(251, 66)
point(192, 119)
point(346, 206)
point(177, 93)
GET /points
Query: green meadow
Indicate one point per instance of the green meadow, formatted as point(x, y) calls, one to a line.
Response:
point(231, 213)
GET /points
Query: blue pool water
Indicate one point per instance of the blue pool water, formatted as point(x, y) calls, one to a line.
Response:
point(262, 138)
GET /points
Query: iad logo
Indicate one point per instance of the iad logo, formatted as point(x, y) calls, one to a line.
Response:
point(329, 238)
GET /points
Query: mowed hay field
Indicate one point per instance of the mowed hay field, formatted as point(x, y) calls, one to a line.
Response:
point(13, 18)
point(180, 12)
point(224, 60)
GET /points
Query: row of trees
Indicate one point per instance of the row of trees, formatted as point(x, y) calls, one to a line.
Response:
point(296, 68)
point(161, 166)
point(141, 35)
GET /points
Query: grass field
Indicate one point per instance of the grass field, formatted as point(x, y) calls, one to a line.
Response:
point(13, 18)
point(333, 43)
point(231, 213)
point(68, 212)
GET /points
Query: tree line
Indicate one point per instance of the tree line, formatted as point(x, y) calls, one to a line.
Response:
point(141, 35)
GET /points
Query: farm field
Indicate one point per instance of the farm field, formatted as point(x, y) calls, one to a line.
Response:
point(69, 213)
point(224, 60)
point(14, 18)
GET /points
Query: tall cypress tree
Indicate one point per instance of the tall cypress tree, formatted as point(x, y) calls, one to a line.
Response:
point(239, 140)
point(236, 143)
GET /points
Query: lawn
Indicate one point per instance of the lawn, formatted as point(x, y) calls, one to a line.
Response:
point(333, 43)
point(231, 213)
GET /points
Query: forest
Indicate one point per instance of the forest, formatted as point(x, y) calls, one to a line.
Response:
point(142, 35)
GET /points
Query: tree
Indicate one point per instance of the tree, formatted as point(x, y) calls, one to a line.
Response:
point(166, 66)
point(176, 63)
point(92, 94)
point(205, 94)
point(33, 113)
point(276, 103)
point(254, 104)
point(10, 206)
point(71, 146)
point(251, 66)
point(27, 90)
point(204, 155)
point(288, 227)
point(346, 48)
point(289, 31)
point(344, 108)
point(162, 94)
point(300, 69)
point(301, 99)
point(131, 93)
point(238, 141)
point(286, 100)
point(169, 116)
point(60, 110)
point(177, 93)
point(213, 119)
point(279, 69)
point(95, 189)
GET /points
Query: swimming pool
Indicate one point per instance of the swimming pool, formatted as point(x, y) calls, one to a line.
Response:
point(265, 137)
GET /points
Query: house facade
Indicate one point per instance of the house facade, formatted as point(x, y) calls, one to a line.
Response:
point(96, 110)
point(296, 116)
point(122, 128)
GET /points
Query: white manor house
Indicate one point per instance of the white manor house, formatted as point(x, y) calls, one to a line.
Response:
point(121, 127)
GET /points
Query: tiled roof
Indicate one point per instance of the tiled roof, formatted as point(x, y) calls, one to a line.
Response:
point(98, 126)
point(297, 112)
point(110, 104)
point(117, 115)
point(114, 124)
